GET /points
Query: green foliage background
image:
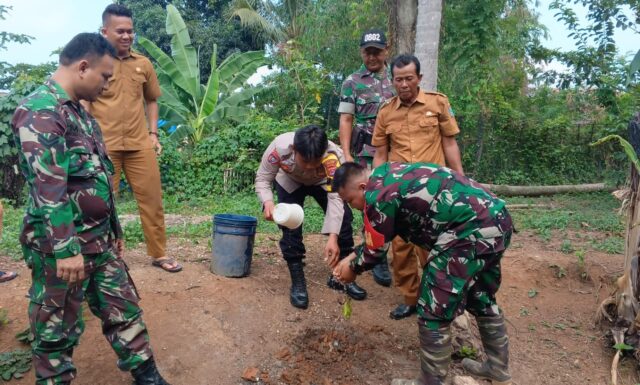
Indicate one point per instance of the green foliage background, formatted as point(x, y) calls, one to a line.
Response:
point(520, 124)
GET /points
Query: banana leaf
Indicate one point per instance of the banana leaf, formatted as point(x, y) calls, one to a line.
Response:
point(210, 98)
point(166, 64)
point(238, 67)
point(626, 146)
point(183, 53)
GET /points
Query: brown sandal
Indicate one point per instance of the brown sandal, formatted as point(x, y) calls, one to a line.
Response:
point(167, 261)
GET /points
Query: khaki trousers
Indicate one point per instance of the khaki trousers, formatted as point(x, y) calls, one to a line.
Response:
point(406, 273)
point(143, 175)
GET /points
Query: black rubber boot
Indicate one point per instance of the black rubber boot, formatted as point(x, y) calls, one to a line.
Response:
point(381, 274)
point(298, 295)
point(147, 374)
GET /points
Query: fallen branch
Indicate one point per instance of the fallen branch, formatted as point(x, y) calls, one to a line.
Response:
point(507, 190)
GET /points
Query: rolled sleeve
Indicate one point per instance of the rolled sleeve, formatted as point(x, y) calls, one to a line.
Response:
point(347, 98)
point(346, 108)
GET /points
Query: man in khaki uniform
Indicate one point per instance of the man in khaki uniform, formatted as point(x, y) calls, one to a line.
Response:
point(414, 126)
point(128, 115)
point(298, 165)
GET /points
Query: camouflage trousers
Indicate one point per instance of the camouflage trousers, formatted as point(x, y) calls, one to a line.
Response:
point(56, 320)
point(456, 278)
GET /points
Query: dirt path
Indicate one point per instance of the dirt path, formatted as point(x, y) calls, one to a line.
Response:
point(207, 329)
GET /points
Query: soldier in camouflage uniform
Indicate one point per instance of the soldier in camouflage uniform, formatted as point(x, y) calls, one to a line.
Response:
point(71, 237)
point(363, 92)
point(465, 227)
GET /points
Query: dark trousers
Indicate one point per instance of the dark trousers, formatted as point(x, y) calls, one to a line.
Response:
point(291, 242)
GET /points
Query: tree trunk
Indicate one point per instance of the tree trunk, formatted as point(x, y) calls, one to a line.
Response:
point(632, 244)
point(428, 40)
point(402, 26)
point(506, 190)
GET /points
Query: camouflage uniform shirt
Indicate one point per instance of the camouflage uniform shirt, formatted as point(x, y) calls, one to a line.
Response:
point(363, 92)
point(70, 208)
point(432, 207)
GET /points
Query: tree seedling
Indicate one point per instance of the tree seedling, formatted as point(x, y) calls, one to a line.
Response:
point(559, 271)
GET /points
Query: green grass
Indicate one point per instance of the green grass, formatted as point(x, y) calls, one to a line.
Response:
point(577, 212)
point(244, 204)
point(598, 211)
point(610, 245)
point(9, 244)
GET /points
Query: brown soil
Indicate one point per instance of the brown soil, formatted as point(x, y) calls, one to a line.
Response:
point(206, 329)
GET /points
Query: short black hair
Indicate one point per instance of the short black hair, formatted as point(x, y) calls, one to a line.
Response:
point(311, 142)
point(404, 60)
point(345, 173)
point(88, 46)
point(115, 10)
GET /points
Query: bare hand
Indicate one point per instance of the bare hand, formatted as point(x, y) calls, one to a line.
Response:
point(343, 271)
point(120, 248)
point(268, 210)
point(156, 143)
point(71, 269)
point(332, 251)
point(348, 157)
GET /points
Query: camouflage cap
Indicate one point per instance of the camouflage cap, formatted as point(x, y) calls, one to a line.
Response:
point(373, 37)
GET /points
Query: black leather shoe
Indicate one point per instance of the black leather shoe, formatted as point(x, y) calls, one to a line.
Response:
point(356, 292)
point(147, 374)
point(298, 295)
point(402, 311)
point(353, 290)
point(381, 274)
point(334, 284)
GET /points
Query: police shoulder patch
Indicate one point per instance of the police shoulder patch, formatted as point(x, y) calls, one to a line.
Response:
point(331, 164)
point(274, 157)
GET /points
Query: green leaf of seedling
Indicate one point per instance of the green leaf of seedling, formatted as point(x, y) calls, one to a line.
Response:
point(346, 308)
point(532, 293)
point(622, 346)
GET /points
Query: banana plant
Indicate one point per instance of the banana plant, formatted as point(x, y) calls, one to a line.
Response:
point(195, 108)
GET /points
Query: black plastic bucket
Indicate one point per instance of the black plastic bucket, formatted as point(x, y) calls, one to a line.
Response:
point(233, 238)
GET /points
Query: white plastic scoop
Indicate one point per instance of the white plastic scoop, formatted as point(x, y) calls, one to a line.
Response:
point(289, 215)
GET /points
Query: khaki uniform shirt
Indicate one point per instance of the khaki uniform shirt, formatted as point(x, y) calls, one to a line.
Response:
point(120, 110)
point(414, 133)
point(278, 163)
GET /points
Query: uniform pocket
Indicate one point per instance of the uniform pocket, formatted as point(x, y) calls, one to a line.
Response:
point(136, 84)
point(82, 163)
point(428, 129)
point(396, 128)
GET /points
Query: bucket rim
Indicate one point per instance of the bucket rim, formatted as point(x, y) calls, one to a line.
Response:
point(234, 217)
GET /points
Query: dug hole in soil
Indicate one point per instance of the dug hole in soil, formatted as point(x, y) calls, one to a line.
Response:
point(210, 330)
